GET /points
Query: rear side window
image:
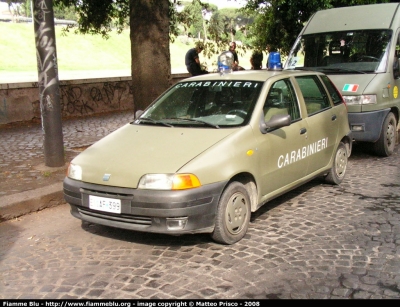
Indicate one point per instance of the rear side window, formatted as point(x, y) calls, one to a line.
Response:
point(332, 90)
point(314, 94)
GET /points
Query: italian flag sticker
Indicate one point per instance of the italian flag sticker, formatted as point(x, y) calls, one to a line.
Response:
point(350, 87)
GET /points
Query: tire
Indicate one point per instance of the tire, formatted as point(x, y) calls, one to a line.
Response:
point(386, 143)
point(338, 169)
point(233, 214)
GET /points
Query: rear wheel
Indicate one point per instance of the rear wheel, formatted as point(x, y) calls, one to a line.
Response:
point(387, 140)
point(338, 169)
point(233, 214)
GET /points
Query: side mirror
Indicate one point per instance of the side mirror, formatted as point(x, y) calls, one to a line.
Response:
point(276, 121)
point(138, 113)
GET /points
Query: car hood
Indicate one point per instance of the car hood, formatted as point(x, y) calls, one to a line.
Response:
point(134, 150)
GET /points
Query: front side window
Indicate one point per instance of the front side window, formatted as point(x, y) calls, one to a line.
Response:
point(204, 104)
point(360, 51)
point(281, 99)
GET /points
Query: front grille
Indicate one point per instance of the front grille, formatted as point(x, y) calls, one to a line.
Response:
point(123, 218)
point(107, 194)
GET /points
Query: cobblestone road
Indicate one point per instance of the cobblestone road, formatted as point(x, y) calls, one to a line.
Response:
point(318, 241)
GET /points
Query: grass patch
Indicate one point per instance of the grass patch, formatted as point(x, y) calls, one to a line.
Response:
point(77, 52)
point(46, 174)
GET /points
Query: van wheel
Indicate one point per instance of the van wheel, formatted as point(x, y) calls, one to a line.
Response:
point(387, 140)
point(233, 214)
point(338, 169)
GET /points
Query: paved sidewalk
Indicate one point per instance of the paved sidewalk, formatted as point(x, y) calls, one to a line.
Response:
point(26, 184)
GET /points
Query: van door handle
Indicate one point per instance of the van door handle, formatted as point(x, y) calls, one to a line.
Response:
point(334, 117)
point(303, 130)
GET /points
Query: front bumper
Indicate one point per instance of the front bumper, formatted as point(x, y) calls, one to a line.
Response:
point(369, 124)
point(147, 210)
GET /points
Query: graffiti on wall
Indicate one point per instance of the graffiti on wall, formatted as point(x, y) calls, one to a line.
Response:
point(79, 100)
point(20, 104)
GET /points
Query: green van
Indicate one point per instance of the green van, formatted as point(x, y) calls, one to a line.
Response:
point(357, 47)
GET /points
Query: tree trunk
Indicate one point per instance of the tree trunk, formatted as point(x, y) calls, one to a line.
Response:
point(49, 87)
point(150, 54)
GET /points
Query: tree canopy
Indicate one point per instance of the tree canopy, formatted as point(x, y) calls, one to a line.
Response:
point(278, 22)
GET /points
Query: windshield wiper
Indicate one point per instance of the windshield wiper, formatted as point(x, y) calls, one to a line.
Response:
point(150, 120)
point(196, 120)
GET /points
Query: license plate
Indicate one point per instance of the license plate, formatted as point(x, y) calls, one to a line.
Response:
point(105, 204)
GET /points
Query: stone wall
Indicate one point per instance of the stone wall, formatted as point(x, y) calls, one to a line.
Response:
point(19, 102)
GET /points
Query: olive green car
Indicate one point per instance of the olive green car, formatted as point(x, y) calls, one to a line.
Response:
point(210, 151)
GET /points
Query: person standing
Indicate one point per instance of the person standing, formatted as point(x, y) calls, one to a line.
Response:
point(232, 49)
point(256, 60)
point(192, 60)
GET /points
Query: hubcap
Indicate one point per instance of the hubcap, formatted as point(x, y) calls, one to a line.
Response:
point(341, 162)
point(236, 213)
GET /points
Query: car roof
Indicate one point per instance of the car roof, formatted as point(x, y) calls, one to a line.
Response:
point(253, 75)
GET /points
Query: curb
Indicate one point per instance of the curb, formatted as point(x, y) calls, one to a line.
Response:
point(13, 206)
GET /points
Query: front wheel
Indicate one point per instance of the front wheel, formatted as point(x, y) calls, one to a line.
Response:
point(233, 214)
point(387, 140)
point(338, 169)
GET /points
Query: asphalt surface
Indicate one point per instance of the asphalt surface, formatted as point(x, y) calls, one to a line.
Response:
point(316, 242)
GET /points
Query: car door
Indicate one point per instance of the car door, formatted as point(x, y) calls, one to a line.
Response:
point(321, 136)
point(282, 163)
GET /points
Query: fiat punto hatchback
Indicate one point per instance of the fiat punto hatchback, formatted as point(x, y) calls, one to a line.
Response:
point(210, 151)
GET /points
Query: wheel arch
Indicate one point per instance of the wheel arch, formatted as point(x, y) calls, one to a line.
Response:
point(396, 113)
point(249, 182)
point(348, 142)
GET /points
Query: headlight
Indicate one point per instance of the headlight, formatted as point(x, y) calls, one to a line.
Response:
point(358, 100)
point(74, 172)
point(168, 182)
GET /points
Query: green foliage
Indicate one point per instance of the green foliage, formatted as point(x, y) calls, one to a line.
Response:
point(98, 17)
point(46, 174)
point(278, 22)
point(26, 7)
point(215, 32)
point(241, 37)
point(67, 13)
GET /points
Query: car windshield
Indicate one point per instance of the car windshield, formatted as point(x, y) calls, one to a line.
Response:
point(362, 51)
point(204, 104)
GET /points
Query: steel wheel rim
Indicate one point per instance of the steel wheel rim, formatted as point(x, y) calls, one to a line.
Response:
point(390, 134)
point(236, 213)
point(341, 162)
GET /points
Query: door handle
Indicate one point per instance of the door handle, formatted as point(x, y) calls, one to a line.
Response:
point(303, 130)
point(334, 117)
